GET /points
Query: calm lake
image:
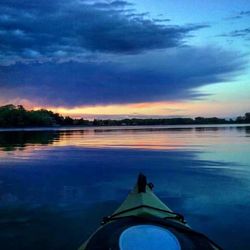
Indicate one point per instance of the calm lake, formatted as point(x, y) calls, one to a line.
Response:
point(56, 185)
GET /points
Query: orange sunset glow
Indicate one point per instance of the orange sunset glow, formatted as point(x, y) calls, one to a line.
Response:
point(156, 108)
point(153, 109)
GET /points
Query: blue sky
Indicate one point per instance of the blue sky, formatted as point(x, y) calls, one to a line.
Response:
point(107, 57)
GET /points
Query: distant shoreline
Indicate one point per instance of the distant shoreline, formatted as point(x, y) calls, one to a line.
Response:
point(134, 127)
point(18, 117)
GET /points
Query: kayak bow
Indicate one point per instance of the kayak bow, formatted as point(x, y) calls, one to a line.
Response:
point(144, 222)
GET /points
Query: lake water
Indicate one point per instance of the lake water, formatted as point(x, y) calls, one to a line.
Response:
point(56, 185)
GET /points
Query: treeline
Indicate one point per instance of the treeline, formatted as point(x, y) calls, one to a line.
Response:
point(172, 121)
point(18, 116)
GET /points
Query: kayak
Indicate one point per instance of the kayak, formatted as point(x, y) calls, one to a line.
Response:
point(144, 222)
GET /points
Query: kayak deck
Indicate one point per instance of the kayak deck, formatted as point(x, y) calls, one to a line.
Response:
point(143, 204)
point(144, 215)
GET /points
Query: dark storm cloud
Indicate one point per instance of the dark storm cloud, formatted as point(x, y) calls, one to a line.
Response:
point(38, 29)
point(156, 76)
point(84, 52)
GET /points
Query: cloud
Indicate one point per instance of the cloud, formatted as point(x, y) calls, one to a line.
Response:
point(240, 33)
point(113, 4)
point(245, 13)
point(74, 27)
point(241, 14)
point(154, 76)
point(85, 52)
point(161, 20)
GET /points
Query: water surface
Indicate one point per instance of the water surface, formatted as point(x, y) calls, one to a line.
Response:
point(57, 184)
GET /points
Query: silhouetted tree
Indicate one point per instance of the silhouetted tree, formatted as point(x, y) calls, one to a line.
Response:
point(247, 117)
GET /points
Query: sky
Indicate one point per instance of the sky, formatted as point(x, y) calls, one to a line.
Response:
point(116, 59)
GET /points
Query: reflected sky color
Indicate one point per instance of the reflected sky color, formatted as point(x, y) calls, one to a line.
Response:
point(58, 181)
point(143, 137)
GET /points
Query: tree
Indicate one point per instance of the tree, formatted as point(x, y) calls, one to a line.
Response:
point(247, 117)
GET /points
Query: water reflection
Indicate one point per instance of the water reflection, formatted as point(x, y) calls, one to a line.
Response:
point(57, 183)
point(10, 141)
point(120, 137)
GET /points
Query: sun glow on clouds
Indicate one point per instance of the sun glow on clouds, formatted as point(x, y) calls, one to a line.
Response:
point(122, 110)
point(193, 109)
point(141, 110)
